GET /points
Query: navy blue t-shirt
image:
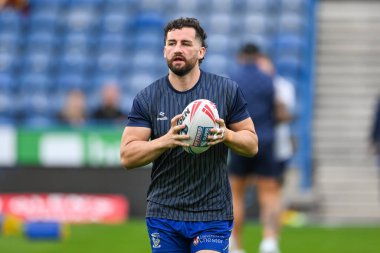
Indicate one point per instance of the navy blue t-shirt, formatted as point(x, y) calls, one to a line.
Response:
point(185, 186)
point(258, 88)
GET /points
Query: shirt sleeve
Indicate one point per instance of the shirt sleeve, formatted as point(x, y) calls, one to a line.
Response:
point(139, 115)
point(239, 109)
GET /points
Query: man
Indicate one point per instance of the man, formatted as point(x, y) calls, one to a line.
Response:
point(189, 200)
point(285, 98)
point(261, 169)
point(109, 110)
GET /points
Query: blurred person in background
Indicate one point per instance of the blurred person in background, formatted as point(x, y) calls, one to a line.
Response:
point(262, 170)
point(189, 205)
point(22, 5)
point(285, 97)
point(73, 112)
point(375, 133)
point(109, 110)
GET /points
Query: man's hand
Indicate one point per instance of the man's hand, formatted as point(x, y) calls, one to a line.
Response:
point(218, 135)
point(172, 138)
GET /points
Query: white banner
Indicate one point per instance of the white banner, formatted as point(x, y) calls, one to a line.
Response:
point(8, 152)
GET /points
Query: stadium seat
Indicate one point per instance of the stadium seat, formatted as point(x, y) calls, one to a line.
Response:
point(221, 6)
point(121, 5)
point(292, 24)
point(146, 60)
point(9, 42)
point(185, 6)
point(7, 105)
point(289, 45)
point(38, 121)
point(260, 40)
point(151, 5)
point(8, 62)
point(75, 62)
point(138, 81)
point(85, 3)
point(35, 82)
point(7, 83)
point(289, 67)
point(255, 23)
point(295, 6)
point(112, 42)
point(41, 41)
point(148, 21)
point(116, 22)
point(255, 6)
point(43, 21)
point(220, 23)
point(78, 42)
point(36, 104)
point(81, 19)
point(49, 3)
point(10, 20)
point(218, 43)
point(109, 64)
point(69, 81)
point(216, 63)
point(38, 62)
point(149, 40)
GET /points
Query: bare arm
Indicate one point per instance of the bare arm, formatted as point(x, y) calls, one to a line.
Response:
point(281, 113)
point(240, 138)
point(136, 150)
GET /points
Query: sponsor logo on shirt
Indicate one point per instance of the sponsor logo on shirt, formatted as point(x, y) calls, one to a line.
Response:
point(162, 116)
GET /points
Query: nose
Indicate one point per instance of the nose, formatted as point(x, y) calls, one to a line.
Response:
point(178, 49)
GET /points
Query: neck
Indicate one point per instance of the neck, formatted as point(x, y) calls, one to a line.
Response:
point(186, 82)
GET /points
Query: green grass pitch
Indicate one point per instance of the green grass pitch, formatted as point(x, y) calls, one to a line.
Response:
point(132, 237)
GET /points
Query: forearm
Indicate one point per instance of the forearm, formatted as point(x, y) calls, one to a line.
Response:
point(244, 142)
point(139, 153)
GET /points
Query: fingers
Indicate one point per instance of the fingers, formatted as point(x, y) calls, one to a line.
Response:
point(175, 120)
point(217, 136)
point(221, 123)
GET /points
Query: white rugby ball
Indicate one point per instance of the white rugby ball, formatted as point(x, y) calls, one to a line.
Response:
point(199, 118)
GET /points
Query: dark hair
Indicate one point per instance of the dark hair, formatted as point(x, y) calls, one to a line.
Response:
point(187, 22)
point(250, 49)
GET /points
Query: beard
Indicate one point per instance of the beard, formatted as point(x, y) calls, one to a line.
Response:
point(181, 70)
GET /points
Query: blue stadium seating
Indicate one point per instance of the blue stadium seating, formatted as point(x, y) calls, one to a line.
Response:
point(35, 82)
point(69, 81)
point(67, 44)
point(43, 21)
point(10, 41)
point(10, 20)
point(7, 83)
point(7, 106)
point(38, 62)
point(8, 62)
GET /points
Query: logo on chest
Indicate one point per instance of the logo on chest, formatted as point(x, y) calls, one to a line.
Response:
point(162, 116)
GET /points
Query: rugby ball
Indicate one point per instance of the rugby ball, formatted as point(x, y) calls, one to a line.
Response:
point(199, 118)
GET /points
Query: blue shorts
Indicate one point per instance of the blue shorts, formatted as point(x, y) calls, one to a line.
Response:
point(263, 164)
point(172, 236)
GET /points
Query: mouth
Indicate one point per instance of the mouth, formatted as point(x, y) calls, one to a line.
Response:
point(178, 59)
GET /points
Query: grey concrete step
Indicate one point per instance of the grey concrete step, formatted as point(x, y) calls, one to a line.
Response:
point(338, 79)
point(347, 59)
point(347, 80)
point(357, 172)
